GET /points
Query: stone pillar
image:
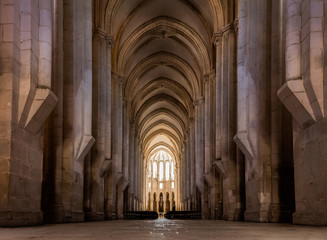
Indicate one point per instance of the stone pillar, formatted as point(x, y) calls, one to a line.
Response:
point(199, 160)
point(254, 126)
point(26, 102)
point(228, 118)
point(208, 121)
point(282, 195)
point(106, 170)
point(304, 96)
point(117, 149)
point(126, 144)
point(53, 144)
point(132, 164)
point(191, 159)
point(99, 105)
point(77, 108)
point(218, 115)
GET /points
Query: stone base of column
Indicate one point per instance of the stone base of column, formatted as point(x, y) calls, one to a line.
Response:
point(229, 216)
point(94, 216)
point(278, 214)
point(259, 216)
point(310, 218)
point(74, 216)
point(110, 214)
point(54, 214)
point(239, 215)
point(20, 218)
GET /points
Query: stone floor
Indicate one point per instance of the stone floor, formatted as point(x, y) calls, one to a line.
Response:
point(166, 229)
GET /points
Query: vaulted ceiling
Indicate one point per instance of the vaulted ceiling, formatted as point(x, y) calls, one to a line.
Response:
point(163, 49)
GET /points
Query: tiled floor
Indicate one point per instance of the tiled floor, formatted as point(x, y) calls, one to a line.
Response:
point(166, 229)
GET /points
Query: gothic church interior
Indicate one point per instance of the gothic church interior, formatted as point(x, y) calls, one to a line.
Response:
point(216, 106)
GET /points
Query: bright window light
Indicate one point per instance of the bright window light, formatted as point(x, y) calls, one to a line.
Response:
point(154, 169)
point(161, 171)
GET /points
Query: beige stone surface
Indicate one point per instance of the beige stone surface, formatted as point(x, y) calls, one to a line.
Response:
point(166, 229)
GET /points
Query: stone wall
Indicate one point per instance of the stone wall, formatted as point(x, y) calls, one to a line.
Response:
point(26, 101)
point(304, 96)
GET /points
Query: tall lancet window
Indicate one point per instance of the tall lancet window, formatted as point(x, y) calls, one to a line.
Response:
point(172, 171)
point(149, 170)
point(161, 170)
point(154, 169)
point(167, 170)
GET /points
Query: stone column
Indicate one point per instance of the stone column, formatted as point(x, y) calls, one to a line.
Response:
point(132, 164)
point(304, 96)
point(228, 126)
point(77, 109)
point(199, 162)
point(110, 42)
point(126, 144)
point(254, 122)
point(106, 170)
point(282, 195)
point(26, 102)
point(53, 211)
point(218, 115)
point(96, 208)
point(208, 122)
point(191, 159)
point(118, 82)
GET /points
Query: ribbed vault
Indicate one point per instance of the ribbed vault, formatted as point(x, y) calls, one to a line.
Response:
point(163, 50)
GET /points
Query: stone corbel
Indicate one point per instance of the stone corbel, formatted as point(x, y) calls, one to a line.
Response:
point(118, 78)
point(85, 147)
point(293, 95)
point(209, 77)
point(122, 181)
point(198, 101)
point(243, 142)
point(222, 168)
point(110, 41)
point(208, 178)
point(43, 103)
point(217, 38)
point(99, 32)
point(236, 23)
point(106, 166)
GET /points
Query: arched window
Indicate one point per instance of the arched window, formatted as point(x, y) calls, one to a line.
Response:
point(172, 171)
point(167, 170)
point(149, 170)
point(154, 169)
point(161, 170)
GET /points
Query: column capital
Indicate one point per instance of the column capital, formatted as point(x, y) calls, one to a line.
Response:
point(227, 28)
point(217, 38)
point(110, 41)
point(236, 25)
point(198, 101)
point(126, 101)
point(99, 32)
point(118, 78)
point(209, 76)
